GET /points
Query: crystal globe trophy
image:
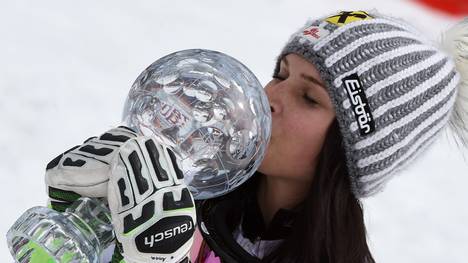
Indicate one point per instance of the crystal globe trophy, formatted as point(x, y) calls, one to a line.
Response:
point(211, 110)
point(80, 234)
point(207, 106)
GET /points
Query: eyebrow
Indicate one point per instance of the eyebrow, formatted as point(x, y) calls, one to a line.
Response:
point(307, 77)
point(313, 80)
point(285, 60)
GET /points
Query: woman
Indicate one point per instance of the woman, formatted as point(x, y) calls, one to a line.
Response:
point(354, 98)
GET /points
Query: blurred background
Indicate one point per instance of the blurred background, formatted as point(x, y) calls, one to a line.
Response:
point(66, 68)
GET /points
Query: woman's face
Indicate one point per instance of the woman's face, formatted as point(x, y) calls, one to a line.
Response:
point(301, 113)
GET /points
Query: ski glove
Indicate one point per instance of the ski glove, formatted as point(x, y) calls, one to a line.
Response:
point(152, 210)
point(84, 170)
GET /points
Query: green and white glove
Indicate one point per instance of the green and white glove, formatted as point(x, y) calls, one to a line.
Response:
point(152, 210)
point(84, 170)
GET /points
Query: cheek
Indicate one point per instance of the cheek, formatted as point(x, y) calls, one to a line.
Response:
point(305, 141)
point(296, 144)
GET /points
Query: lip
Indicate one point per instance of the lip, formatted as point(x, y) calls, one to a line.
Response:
point(272, 125)
point(270, 140)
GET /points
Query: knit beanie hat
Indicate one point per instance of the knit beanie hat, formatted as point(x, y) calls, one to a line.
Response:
point(393, 90)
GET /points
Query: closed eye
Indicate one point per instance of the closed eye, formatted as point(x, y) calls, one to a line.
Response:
point(278, 77)
point(309, 100)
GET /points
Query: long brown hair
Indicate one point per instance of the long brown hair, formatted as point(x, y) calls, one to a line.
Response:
point(330, 227)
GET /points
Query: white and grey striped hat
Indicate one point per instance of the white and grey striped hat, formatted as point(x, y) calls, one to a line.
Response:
point(392, 89)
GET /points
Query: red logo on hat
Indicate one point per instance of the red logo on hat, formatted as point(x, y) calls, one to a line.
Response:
point(312, 32)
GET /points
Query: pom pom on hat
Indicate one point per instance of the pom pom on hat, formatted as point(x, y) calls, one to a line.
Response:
point(455, 42)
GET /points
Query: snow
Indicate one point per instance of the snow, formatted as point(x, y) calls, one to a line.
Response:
point(66, 67)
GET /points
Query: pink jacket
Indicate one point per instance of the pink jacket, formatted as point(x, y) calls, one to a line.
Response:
point(200, 252)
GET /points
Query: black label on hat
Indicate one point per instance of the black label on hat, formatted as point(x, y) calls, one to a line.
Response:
point(359, 104)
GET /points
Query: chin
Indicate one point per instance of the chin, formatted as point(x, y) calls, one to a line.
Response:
point(265, 162)
point(261, 168)
point(266, 166)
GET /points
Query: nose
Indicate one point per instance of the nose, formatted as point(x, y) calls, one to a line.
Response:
point(274, 98)
point(273, 106)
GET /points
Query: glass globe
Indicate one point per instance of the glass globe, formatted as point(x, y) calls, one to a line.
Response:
point(211, 110)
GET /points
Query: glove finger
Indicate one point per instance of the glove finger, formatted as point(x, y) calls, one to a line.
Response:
point(116, 136)
point(159, 163)
point(133, 174)
point(104, 147)
point(85, 169)
point(171, 162)
point(78, 173)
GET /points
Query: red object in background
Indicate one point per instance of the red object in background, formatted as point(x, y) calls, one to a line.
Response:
point(452, 7)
